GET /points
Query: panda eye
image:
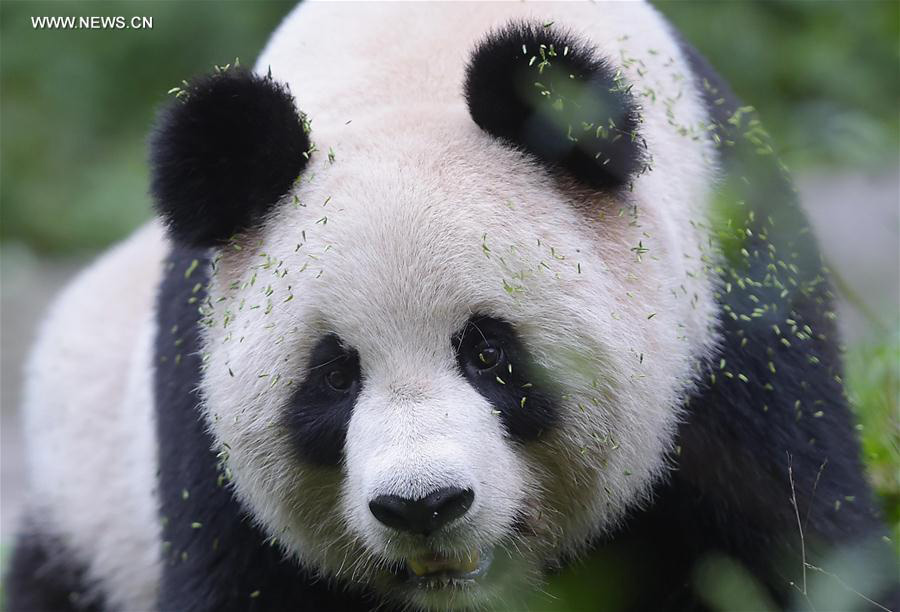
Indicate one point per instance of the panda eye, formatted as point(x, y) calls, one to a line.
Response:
point(340, 379)
point(334, 368)
point(495, 362)
point(487, 356)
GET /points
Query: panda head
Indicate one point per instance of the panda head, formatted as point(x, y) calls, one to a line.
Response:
point(446, 344)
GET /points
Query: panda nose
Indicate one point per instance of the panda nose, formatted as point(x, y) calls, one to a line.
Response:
point(422, 516)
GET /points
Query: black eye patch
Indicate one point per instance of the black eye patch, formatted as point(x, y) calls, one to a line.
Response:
point(319, 411)
point(492, 358)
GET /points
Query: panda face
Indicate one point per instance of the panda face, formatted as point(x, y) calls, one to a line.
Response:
point(445, 358)
point(436, 322)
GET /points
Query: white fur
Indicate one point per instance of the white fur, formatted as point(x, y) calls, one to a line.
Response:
point(88, 418)
point(421, 221)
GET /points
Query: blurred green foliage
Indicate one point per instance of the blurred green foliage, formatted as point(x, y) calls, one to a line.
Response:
point(873, 381)
point(77, 106)
point(824, 75)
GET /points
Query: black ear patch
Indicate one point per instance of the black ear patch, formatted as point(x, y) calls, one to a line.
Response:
point(223, 152)
point(546, 92)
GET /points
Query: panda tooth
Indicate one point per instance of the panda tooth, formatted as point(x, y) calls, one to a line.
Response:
point(470, 563)
point(436, 565)
point(417, 567)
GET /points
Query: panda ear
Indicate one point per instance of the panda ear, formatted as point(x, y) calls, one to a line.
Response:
point(542, 90)
point(223, 152)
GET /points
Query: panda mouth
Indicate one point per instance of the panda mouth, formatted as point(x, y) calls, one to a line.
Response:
point(438, 571)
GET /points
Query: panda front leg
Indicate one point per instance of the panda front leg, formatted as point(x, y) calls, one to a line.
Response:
point(43, 574)
point(769, 470)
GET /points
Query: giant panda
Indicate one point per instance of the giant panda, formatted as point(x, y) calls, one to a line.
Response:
point(442, 300)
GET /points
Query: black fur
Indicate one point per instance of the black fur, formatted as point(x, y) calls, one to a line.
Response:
point(214, 558)
point(44, 576)
point(771, 423)
point(223, 153)
point(549, 93)
point(524, 401)
point(319, 415)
